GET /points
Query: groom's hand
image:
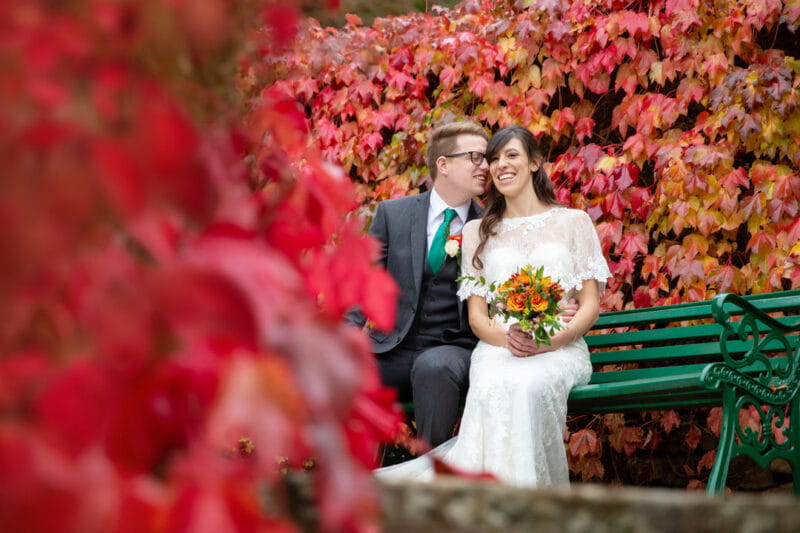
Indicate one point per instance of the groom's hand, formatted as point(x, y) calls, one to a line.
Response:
point(568, 310)
point(520, 343)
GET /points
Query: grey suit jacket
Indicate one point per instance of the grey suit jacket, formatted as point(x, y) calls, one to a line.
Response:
point(401, 226)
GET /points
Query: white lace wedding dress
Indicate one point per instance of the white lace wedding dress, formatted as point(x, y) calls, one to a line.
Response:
point(516, 408)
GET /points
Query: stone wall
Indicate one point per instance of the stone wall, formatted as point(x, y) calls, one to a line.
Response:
point(461, 506)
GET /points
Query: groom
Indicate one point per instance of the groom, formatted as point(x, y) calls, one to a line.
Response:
point(426, 356)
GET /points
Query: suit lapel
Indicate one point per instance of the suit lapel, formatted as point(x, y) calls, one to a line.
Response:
point(419, 238)
point(474, 211)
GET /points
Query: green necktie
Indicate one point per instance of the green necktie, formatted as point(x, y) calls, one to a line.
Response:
point(436, 254)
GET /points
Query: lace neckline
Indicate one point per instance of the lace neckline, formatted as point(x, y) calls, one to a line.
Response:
point(515, 221)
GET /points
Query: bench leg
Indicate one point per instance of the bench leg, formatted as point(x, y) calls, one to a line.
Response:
point(794, 432)
point(796, 476)
point(730, 418)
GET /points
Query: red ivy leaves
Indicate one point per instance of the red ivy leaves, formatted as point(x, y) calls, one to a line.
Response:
point(686, 140)
point(669, 421)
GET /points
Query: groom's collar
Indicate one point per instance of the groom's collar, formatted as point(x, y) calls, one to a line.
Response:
point(437, 206)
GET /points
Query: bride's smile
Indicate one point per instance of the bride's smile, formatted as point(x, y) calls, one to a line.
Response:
point(511, 170)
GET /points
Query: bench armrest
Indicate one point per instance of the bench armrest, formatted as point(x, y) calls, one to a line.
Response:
point(776, 380)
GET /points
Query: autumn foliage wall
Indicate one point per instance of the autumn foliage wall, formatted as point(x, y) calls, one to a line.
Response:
point(674, 124)
point(167, 346)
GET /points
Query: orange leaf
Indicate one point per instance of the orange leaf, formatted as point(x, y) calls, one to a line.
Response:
point(584, 442)
point(707, 461)
point(696, 484)
point(693, 437)
point(670, 420)
point(714, 420)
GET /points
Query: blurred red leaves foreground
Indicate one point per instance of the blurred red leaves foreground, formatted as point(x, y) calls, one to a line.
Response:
point(174, 273)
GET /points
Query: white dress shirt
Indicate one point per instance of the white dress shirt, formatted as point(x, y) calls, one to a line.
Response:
point(436, 211)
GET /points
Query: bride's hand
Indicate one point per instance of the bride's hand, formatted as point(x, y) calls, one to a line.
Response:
point(558, 340)
point(568, 310)
point(519, 342)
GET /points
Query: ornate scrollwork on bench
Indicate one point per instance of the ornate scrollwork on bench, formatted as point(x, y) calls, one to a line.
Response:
point(764, 440)
point(774, 381)
point(749, 377)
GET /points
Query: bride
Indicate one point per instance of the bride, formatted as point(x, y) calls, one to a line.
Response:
point(516, 406)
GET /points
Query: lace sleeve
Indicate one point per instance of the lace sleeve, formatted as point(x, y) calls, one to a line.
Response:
point(469, 244)
point(588, 255)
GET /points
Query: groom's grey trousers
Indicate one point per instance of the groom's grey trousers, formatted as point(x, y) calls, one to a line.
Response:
point(426, 356)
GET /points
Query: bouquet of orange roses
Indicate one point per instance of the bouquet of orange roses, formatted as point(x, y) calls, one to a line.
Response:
point(532, 298)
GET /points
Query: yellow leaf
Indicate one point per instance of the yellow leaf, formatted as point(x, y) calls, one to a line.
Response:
point(518, 57)
point(507, 43)
point(695, 244)
point(540, 125)
point(606, 163)
point(657, 73)
point(535, 77)
point(708, 263)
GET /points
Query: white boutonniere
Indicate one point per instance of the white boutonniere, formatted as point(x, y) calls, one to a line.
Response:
point(453, 246)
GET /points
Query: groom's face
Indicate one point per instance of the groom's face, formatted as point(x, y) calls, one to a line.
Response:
point(463, 177)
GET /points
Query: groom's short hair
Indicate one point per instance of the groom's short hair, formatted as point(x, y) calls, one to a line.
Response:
point(444, 138)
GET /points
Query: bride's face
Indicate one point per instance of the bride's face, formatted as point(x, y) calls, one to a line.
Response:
point(511, 169)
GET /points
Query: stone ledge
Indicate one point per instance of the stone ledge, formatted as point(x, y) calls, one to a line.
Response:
point(455, 505)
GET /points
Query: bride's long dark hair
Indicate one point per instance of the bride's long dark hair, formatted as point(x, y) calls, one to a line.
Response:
point(496, 202)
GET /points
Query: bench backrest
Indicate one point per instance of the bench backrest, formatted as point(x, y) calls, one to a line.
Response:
point(674, 333)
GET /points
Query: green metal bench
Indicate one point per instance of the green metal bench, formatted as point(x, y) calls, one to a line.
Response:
point(725, 352)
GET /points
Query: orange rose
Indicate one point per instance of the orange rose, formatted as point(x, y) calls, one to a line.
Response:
point(524, 279)
point(516, 302)
point(538, 303)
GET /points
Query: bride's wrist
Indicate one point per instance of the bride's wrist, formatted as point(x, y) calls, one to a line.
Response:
point(571, 334)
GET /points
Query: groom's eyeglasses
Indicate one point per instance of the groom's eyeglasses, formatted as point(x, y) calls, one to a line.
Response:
point(476, 157)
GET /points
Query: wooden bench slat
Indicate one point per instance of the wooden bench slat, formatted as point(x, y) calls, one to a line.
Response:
point(669, 382)
point(652, 336)
point(787, 300)
point(644, 373)
point(676, 352)
point(662, 335)
point(660, 402)
point(664, 371)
